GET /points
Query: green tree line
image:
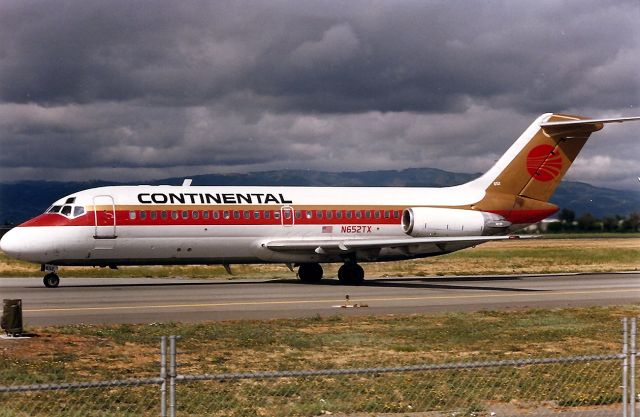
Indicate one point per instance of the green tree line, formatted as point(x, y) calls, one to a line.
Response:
point(568, 222)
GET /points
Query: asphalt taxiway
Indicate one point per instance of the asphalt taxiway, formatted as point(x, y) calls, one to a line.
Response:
point(135, 300)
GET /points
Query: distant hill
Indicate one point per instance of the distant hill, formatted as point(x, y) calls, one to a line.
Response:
point(22, 200)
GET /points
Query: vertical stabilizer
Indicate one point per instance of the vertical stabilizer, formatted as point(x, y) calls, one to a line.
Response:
point(523, 180)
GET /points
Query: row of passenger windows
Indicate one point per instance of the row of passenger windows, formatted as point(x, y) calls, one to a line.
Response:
point(261, 214)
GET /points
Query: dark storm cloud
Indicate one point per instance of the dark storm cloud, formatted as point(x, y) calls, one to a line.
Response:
point(318, 56)
point(128, 89)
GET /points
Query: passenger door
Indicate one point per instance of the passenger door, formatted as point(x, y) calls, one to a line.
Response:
point(105, 217)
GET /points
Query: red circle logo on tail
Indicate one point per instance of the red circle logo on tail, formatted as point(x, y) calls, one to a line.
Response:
point(543, 163)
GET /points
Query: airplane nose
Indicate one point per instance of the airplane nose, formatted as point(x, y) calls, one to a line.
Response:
point(31, 244)
point(10, 243)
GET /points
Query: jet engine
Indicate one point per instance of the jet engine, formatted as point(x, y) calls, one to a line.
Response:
point(432, 221)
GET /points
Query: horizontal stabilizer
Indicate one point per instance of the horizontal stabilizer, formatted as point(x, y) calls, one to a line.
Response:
point(589, 121)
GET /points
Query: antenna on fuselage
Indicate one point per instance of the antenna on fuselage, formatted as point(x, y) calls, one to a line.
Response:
point(186, 182)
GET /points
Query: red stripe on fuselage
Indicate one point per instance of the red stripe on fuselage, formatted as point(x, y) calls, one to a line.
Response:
point(123, 218)
point(52, 219)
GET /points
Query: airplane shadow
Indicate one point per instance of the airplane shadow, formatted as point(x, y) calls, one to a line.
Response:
point(433, 283)
point(452, 283)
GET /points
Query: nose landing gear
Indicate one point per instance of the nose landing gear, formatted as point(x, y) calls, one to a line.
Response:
point(51, 280)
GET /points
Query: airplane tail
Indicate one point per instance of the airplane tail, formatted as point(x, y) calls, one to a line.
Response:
point(523, 180)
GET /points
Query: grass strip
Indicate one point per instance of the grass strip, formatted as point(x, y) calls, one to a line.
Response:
point(530, 256)
point(90, 352)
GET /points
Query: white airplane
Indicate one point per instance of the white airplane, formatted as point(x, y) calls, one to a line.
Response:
point(304, 226)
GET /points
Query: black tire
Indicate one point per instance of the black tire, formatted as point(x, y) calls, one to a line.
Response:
point(310, 273)
point(351, 274)
point(51, 280)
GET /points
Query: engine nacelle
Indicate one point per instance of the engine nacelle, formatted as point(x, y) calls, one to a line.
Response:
point(430, 221)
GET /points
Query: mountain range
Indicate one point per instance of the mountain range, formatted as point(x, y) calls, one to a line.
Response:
point(22, 200)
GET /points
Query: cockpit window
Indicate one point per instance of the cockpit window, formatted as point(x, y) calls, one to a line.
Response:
point(70, 200)
point(67, 210)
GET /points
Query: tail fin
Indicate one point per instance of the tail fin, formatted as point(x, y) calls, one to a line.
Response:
point(526, 176)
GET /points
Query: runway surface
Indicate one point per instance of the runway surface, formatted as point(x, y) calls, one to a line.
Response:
point(134, 300)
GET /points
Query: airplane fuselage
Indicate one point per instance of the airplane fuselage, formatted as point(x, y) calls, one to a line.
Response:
point(137, 225)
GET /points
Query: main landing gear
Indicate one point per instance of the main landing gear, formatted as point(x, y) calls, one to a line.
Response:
point(51, 280)
point(310, 273)
point(349, 274)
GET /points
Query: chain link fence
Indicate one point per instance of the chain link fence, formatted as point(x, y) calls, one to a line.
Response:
point(594, 385)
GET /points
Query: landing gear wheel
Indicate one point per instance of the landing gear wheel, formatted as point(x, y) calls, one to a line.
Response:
point(310, 273)
point(51, 280)
point(351, 274)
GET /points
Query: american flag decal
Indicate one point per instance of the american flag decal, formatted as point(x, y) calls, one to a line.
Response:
point(327, 229)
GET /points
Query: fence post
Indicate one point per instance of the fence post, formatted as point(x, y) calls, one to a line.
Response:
point(163, 375)
point(172, 376)
point(625, 365)
point(632, 377)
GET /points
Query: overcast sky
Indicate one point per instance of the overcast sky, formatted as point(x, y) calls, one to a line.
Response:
point(134, 90)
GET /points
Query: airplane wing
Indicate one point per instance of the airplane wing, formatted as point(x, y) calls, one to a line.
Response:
point(321, 246)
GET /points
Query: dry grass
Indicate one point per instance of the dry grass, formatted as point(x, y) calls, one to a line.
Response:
point(89, 351)
point(523, 256)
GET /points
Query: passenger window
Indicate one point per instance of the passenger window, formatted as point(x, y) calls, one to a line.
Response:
point(174, 214)
point(377, 214)
point(236, 214)
point(267, 214)
point(298, 214)
point(154, 215)
point(143, 215)
point(349, 214)
point(226, 215)
point(287, 214)
point(358, 214)
point(367, 214)
point(205, 214)
point(132, 215)
point(185, 214)
point(78, 211)
point(195, 214)
point(395, 214)
point(164, 215)
point(338, 214)
point(329, 214)
point(247, 215)
point(276, 215)
point(387, 214)
point(319, 214)
point(216, 214)
point(256, 215)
